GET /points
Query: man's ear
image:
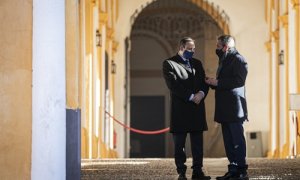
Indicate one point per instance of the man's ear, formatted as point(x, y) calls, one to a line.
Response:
point(225, 48)
point(181, 48)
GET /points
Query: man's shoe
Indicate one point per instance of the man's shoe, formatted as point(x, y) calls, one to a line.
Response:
point(182, 176)
point(240, 176)
point(227, 176)
point(241, 173)
point(199, 175)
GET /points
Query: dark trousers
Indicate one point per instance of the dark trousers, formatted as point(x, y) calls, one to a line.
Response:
point(197, 150)
point(235, 144)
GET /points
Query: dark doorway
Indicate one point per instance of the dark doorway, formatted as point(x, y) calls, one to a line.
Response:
point(147, 113)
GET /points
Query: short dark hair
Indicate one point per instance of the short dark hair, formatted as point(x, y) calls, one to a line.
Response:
point(227, 40)
point(184, 40)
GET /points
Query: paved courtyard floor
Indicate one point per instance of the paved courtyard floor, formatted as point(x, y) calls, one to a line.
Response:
point(164, 169)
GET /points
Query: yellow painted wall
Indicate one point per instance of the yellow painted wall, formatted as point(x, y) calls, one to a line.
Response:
point(91, 62)
point(15, 89)
point(296, 4)
point(280, 20)
point(73, 69)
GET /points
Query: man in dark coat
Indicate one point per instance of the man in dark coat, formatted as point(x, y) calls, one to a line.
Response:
point(185, 78)
point(230, 106)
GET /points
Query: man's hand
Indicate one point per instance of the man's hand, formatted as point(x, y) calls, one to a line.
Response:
point(198, 97)
point(211, 81)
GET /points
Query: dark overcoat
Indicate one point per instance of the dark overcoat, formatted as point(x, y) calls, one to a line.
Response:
point(186, 116)
point(231, 105)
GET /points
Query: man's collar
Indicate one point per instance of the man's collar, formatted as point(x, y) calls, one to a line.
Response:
point(231, 50)
point(228, 53)
point(182, 57)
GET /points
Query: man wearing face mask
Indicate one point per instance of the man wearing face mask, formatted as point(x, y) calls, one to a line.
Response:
point(231, 106)
point(185, 78)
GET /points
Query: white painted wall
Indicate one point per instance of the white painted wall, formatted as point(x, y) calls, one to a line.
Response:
point(248, 26)
point(49, 92)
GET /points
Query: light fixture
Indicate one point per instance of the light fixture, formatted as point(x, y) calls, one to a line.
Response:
point(281, 58)
point(98, 39)
point(113, 67)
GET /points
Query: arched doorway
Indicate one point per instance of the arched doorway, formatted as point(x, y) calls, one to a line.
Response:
point(154, 37)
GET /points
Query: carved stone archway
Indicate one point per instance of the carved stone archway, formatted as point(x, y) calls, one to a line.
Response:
point(166, 22)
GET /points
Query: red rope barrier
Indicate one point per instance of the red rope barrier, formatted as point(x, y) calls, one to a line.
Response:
point(137, 130)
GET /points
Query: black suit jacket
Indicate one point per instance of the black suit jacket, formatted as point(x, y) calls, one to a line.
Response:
point(186, 116)
point(231, 105)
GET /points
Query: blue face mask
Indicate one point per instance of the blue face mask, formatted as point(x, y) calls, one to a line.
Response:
point(188, 54)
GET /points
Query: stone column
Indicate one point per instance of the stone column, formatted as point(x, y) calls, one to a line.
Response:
point(48, 91)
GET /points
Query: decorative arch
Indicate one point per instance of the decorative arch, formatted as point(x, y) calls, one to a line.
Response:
point(174, 19)
point(214, 11)
point(167, 21)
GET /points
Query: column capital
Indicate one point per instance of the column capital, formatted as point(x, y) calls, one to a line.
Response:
point(268, 45)
point(284, 19)
point(275, 34)
point(115, 46)
point(110, 33)
point(103, 17)
point(295, 3)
